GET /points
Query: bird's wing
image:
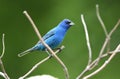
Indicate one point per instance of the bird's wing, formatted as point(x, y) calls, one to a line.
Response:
point(48, 35)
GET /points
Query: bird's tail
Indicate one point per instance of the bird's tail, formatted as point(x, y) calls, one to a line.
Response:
point(25, 52)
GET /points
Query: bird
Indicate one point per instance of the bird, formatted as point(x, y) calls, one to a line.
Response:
point(52, 38)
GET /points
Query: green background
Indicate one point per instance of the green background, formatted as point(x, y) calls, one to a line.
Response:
point(19, 35)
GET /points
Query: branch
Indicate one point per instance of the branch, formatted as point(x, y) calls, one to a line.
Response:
point(87, 39)
point(94, 63)
point(3, 44)
point(1, 63)
point(89, 48)
point(104, 29)
point(101, 55)
point(105, 63)
point(39, 63)
point(107, 40)
point(48, 48)
point(108, 37)
point(115, 27)
point(106, 33)
point(100, 20)
point(103, 26)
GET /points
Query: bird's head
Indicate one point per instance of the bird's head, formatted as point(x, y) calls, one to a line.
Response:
point(66, 23)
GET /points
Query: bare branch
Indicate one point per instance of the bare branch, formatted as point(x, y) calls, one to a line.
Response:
point(3, 69)
point(115, 27)
point(39, 63)
point(108, 36)
point(104, 28)
point(100, 19)
point(101, 55)
point(49, 49)
point(105, 63)
point(89, 48)
point(3, 44)
point(1, 63)
point(105, 45)
point(87, 39)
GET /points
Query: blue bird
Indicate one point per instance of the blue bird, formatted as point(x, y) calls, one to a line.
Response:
point(53, 38)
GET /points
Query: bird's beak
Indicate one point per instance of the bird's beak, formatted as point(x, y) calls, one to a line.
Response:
point(71, 24)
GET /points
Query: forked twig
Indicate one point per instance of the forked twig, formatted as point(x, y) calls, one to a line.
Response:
point(107, 40)
point(49, 49)
point(94, 63)
point(108, 35)
point(105, 63)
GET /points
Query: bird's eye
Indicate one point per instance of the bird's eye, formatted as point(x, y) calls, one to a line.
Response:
point(68, 22)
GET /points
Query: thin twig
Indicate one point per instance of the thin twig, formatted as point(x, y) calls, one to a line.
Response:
point(104, 29)
point(103, 26)
point(105, 63)
point(3, 44)
point(100, 20)
point(1, 63)
point(89, 48)
point(104, 46)
point(49, 49)
point(39, 63)
point(115, 27)
point(87, 39)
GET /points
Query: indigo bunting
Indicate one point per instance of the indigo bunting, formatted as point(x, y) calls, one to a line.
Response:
point(52, 38)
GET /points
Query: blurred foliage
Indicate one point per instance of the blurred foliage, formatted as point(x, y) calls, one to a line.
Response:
point(47, 14)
